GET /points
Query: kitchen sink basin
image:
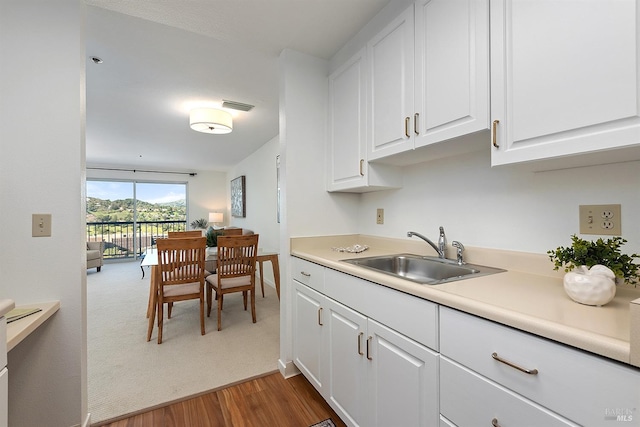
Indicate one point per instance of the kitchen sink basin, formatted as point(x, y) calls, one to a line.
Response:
point(423, 269)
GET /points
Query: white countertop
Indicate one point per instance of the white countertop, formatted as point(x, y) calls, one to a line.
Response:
point(529, 296)
point(21, 328)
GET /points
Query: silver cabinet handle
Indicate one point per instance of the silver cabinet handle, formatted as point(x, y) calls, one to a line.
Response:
point(320, 316)
point(361, 169)
point(406, 127)
point(494, 422)
point(305, 274)
point(360, 343)
point(513, 365)
point(494, 131)
point(416, 117)
point(368, 349)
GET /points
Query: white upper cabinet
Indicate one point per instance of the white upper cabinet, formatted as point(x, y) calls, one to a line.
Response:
point(391, 88)
point(564, 79)
point(429, 76)
point(451, 69)
point(347, 166)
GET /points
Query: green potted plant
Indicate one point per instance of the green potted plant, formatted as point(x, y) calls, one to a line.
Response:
point(593, 267)
point(201, 224)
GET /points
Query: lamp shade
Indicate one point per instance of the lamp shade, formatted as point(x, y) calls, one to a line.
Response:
point(215, 217)
point(210, 120)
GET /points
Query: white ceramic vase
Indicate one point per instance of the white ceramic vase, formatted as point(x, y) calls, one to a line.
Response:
point(595, 286)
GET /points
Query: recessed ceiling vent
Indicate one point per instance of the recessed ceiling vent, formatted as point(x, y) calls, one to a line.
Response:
point(236, 105)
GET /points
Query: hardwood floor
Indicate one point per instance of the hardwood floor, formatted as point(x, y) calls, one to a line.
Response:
point(266, 401)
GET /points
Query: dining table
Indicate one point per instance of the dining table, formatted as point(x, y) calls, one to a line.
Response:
point(151, 260)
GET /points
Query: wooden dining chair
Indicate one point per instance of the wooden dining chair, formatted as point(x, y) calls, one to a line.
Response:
point(181, 274)
point(235, 272)
point(183, 234)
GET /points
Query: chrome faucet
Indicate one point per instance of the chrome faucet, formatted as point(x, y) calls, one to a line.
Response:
point(442, 242)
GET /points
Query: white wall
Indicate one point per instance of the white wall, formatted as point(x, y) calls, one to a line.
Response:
point(207, 191)
point(259, 170)
point(42, 116)
point(505, 208)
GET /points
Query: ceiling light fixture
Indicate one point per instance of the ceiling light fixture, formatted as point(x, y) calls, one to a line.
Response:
point(210, 120)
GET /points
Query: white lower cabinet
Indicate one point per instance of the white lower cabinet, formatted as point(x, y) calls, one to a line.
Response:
point(578, 386)
point(468, 400)
point(308, 339)
point(378, 377)
point(403, 379)
point(370, 374)
point(381, 357)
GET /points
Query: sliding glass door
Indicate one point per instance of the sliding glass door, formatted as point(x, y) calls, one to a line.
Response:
point(129, 215)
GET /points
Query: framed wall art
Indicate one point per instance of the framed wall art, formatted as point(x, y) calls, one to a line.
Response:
point(238, 197)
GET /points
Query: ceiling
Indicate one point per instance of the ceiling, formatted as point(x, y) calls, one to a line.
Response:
point(161, 58)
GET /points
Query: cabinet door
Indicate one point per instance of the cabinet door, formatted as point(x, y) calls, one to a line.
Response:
point(390, 55)
point(564, 78)
point(308, 344)
point(451, 69)
point(347, 125)
point(346, 362)
point(403, 380)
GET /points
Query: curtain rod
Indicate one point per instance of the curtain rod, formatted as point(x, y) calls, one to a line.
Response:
point(143, 170)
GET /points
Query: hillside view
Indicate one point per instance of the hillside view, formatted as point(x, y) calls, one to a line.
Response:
point(101, 210)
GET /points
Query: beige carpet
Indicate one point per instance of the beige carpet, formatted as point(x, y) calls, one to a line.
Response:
point(127, 374)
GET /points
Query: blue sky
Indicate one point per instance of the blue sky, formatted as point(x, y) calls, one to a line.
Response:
point(148, 192)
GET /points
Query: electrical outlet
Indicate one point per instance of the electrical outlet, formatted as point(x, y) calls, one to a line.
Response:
point(380, 216)
point(601, 219)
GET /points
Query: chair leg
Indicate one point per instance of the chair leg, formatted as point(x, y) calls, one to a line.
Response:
point(209, 292)
point(261, 278)
point(152, 320)
point(202, 314)
point(244, 298)
point(160, 316)
point(219, 311)
point(253, 304)
point(170, 307)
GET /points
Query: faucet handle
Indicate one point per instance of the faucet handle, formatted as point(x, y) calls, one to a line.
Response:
point(460, 248)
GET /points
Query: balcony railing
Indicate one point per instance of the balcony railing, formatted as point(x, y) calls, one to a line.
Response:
point(128, 239)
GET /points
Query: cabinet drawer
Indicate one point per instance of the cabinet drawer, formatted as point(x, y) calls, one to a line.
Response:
point(580, 386)
point(308, 273)
point(411, 316)
point(469, 400)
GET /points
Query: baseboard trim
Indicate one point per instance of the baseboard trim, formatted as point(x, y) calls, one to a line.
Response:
point(288, 369)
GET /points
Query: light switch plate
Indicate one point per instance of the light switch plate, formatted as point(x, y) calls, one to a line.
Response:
point(41, 225)
point(601, 219)
point(380, 216)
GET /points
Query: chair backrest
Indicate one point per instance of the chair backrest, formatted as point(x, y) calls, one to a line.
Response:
point(183, 234)
point(237, 255)
point(181, 260)
point(232, 232)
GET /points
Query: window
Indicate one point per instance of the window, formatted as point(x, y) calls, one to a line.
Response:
point(127, 215)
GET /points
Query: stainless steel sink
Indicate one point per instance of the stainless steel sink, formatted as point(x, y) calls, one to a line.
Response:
point(423, 269)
